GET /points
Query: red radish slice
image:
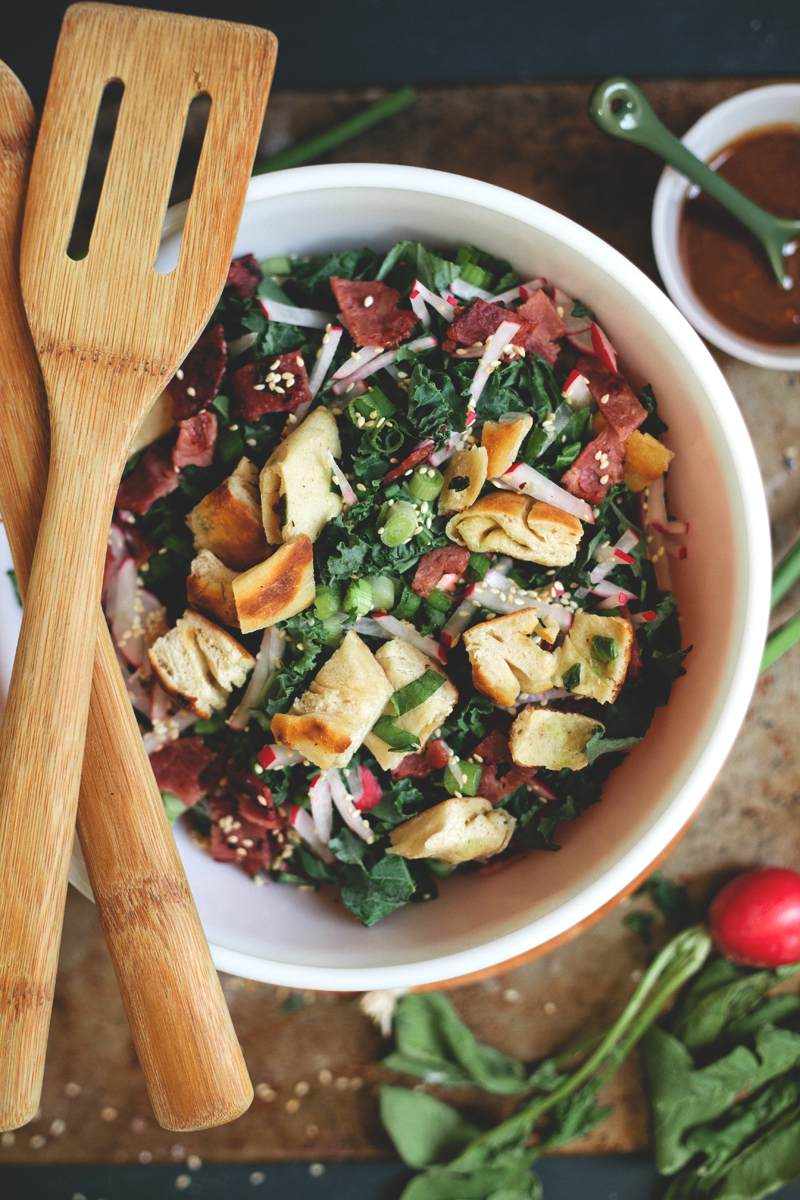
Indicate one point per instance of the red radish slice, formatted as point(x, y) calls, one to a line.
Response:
point(543, 790)
point(316, 379)
point(266, 662)
point(564, 305)
point(358, 358)
point(603, 348)
point(130, 604)
point(526, 290)
point(614, 555)
point(382, 360)
point(468, 291)
point(460, 620)
point(407, 633)
point(453, 444)
point(654, 513)
point(582, 342)
point(679, 552)
point(502, 337)
point(576, 390)
point(506, 297)
point(304, 824)
point(522, 478)
point(348, 495)
point(644, 618)
point(367, 792)
point(444, 305)
point(418, 305)
point(159, 703)
point(369, 627)
point(675, 528)
point(309, 318)
point(612, 592)
point(347, 809)
point(274, 756)
point(115, 556)
point(321, 807)
point(543, 697)
point(353, 777)
point(505, 602)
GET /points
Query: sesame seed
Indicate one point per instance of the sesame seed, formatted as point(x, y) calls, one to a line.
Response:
point(275, 365)
point(8, 1139)
point(360, 487)
point(194, 1163)
point(549, 1007)
point(325, 1077)
point(299, 361)
point(183, 1182)
point(251, 442)
point(292, 1105)
point(316, 1169)
point(259, 387)
point(265, 1092)
point(179, 374)
point(302, 1088)
point(511, 995)
point(37, 1141)
point(604, 399)
point(233, 428)
point(57, 1127)
point(603, 480)
point(191, 391)
point(368, 301)
point(257, 1177)
point(342, 1083)
point(144, 1157)
point(108, 1114)
point(74, 1089)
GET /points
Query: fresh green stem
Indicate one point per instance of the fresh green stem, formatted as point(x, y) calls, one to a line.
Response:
point(782, 640)
point(786, 574)
point(305, 152)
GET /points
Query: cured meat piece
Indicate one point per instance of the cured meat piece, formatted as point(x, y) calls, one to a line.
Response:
point(613, 395)
point(417, 455)
point(244, 276)
point(235, 838)
point(197, 380)
point(277, 383)
point(418, 766)
point(197, 437)
point(543, 327)
point(596, 468)
point(370, 312)
point(140, 548)
point(478, 322)
point(178, 766)
point(437, 563)
point(153, 476)
point(500, 775)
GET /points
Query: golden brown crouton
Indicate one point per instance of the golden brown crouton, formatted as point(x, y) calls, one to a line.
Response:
point(296, 496)
point(209, 591)
point(403, 664)
point(505, 659)
point(200, 664)
point(455, 831)
point(502, 440)
point(599, 679)
point(467, 468)
point(646, 460)
point(328, 723)
point(508, 523)
point(278, 588)
point(228, 520)
point(556, 740)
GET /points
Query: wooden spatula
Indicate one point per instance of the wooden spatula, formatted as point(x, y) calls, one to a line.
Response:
point(109, 333)
point(182, 1031)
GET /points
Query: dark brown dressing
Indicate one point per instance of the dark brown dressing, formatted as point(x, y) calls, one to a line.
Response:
point(725, 265)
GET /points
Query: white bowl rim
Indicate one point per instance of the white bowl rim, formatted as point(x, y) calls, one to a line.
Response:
point(667, 202)
point(752, 608)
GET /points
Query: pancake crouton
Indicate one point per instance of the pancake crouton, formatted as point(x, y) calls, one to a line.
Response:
point(456, 831)
point(200, 664)
point(600, 648)
point(228, 520)
point(209, 591)
point(403, 664)
point(278, 588)
point(296, 496)
point(556, 740)
point(506, 660)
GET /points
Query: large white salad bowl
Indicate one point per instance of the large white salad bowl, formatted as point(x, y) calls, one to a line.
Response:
point(303, 940)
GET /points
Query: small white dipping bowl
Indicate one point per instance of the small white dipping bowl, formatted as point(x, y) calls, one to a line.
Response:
point(303, 940)
point(775, 105)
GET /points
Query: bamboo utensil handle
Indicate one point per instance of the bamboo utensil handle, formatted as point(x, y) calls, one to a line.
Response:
point(108, 328)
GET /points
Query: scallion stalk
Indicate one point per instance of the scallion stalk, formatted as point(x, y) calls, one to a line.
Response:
point(383, 592)
point(276, 266)
point(333, 630)
point(327, 601)
point(786, 574)
point(781, 640)
point(401, 524)
point(407, 605)
point(472, 273)
point(425, 483)
point(358, 598)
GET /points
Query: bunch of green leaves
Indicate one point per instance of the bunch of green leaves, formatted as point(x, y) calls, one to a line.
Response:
point(458, 1161)
point(724, 1076)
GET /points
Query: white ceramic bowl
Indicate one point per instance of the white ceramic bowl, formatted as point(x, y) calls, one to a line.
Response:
point(778, 104)
point(280, 935)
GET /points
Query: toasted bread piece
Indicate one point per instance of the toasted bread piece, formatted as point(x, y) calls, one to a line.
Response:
point(556, 740)
point(455, 831)
point(209, 591)
point(228, 520)
point(157, 421)
point(199, 664)
point(403, 664)
point(502, 440)
point(296, 496)
point(505, 659)
point(600, 680)
point(328, 723)
point(467, 468)
point(278, 588)
point(508, 523)
point(646, 460)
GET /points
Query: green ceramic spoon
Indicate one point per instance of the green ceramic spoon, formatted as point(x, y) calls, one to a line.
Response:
point(619, 108)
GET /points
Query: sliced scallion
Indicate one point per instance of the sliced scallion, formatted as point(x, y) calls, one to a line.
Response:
point(425, 483)
point(333, 630)
point(407, 605)
point(276, 266)
point(358, 598)
point(383, 592)
point(327, 601)
point(401, 524)
point(472, 273)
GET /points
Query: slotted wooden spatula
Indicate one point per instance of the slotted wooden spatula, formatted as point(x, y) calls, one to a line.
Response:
point(184, 1039)
point(109, 332)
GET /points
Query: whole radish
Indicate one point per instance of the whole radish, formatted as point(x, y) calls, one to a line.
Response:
point(755, 919)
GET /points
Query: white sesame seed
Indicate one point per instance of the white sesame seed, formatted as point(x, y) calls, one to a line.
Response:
point(37, 1141)
point(257, 1177)
point(8, 1139)
point(302, 1088)
point(604, 399)
point(550, 1007)
point(603, 480)
point(190, 391)
point(368, 301)
point(194, 1163)
point(183, 1182)
point(108, 1113)
point(325, 1077)
point(57, 1127)
point(292, 1105)
point(316, 1169)
point(74, 1089)
point(259, 387)
point(275, 365)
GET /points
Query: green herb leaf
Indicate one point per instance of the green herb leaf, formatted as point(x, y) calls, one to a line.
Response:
point(399, 739)
point(604, 649)
point(374, 893)
point(416, 692)
point(459, 483)
point(424, 1130)
point(572, 678)
point(598, 744)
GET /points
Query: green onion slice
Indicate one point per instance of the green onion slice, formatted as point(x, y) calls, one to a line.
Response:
point(401, 524)
point(417, 692)
point(425, 483)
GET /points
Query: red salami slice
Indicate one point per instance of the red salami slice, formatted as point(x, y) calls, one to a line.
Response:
point(277, 383)
point(449, 560)
point(153, 477)
point(370, 312)
point(543, 327)
point(500, 775)
point(596, 468)
point(197, 380)
point(417, 455)
point(244, 276)
point(178, 766)
point(614, 397)
point(197, 437)
point(478, 322)
point(418, 766)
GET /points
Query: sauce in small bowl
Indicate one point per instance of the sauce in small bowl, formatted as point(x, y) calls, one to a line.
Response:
point(724, 263)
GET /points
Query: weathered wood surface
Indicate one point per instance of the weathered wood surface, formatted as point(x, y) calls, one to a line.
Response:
point(537, 140)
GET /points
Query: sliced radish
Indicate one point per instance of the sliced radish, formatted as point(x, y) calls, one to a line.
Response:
point(674, 551)
point(347, 809)
point(546, 697)
point(612, 591)
point(366, 791)
point(237, 347)
point(673, 528)
point(358, 358)
point(159, 703)
point(321, 807)
point(576, 390)
point(116, 554)
point(460, 620)
point(506, 297)
point(274, 756)
point(583, 342)
point(654, 510)
point(616, 554)
point(522, 478)
point(603, 348)
point(289, 315)
point(348, 495)
point(512, 599)
point(330, 344)
point(454, 764)
point(131, 603)
point(644, 618)
point(526, 290)
point(419, 307)
point(453, 444)
point(382, 360)
point(304, 824)
point(444, 305)
point(501, 338)
point(468, 291)
point(407, 633)
point(543, 790)
point(564, 305)
point(169, 729)
point(266, 662)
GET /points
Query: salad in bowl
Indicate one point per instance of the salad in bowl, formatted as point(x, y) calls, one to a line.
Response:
point(389, 576)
